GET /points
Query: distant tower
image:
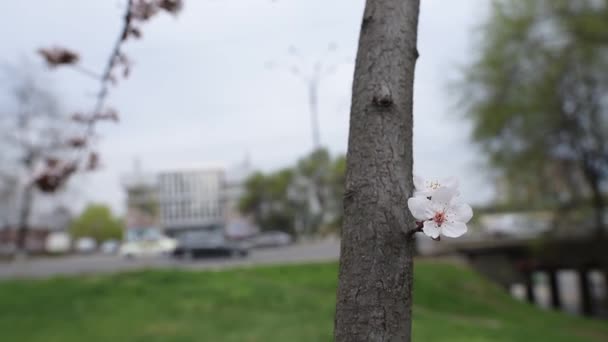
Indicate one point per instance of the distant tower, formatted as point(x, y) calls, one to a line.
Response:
point(136, 166)
point(247, 161)
point(142, 198)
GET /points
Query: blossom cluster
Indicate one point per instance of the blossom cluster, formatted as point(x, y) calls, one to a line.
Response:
point(437, 209)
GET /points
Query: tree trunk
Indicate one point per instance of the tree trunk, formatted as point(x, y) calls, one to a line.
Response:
point(598, 208)
point(24, 216)
point(597, 198)
point(374, 301)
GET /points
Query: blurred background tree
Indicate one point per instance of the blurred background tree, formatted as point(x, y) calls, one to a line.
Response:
point(266, 200)
point(286, 201)
point(336, 181)
point(97, 222)
point(34, 135)
point(536, 94)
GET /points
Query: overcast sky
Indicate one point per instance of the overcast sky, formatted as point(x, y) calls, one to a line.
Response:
point(200, 91)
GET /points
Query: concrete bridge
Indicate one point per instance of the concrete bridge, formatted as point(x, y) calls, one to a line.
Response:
point(509, 261)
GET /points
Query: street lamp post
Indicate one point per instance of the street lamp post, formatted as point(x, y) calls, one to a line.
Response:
point(312, 79)
point(313, 89)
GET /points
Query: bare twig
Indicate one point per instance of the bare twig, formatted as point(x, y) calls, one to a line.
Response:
point(105, 79)
point(86, 72)
point(106, 76)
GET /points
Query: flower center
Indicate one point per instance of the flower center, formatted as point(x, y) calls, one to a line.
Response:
point(434, 185)
point(439, 218)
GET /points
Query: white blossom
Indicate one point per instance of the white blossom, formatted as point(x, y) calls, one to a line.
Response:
point(441, 214)
point(426, 188)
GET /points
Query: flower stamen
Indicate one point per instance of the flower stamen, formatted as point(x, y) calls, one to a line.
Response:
point(434, 185)
point(439, 218)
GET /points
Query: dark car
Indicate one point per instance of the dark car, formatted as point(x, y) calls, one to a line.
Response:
point(208, 241)
point(271, 239)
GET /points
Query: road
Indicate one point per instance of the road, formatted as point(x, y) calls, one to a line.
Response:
point(98, 264)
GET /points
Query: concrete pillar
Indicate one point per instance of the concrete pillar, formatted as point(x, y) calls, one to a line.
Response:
point(585, 292)
point(556, 302)
point(602, 310)
point(528, 282)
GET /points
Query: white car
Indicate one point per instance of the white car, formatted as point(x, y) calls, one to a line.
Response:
point(58, 242)
point(146, 242)
point(86, 245)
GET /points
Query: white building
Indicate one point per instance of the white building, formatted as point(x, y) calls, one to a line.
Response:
point(237, 226)
point(191, 198)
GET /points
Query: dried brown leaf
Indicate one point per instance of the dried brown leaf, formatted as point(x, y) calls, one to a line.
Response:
point(55, 56)
point(143, 10)
point(77, 142)
point(171, 6)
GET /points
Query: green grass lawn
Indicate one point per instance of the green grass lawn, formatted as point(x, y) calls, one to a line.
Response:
point(278, 303)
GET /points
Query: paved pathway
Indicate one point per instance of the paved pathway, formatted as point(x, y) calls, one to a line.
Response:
point(95, 264)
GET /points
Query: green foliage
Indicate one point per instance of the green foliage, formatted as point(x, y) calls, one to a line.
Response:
point(266, 199)
point(279, 303)
point(281, 200)
point(318, 160)
point(336, 182)
point(97, 221)
point(535, 95)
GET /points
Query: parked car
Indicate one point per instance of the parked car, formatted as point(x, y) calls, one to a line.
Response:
point(271, 239)
point(208, 241)
point(146, 242)
point(86, 245)
point(58, 242)
point(110, 247)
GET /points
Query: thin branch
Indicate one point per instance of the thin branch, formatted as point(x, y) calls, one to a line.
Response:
point(135, 11)
point(106, 76)
point(86, 72)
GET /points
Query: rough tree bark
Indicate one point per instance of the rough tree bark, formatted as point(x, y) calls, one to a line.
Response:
point(374, 293)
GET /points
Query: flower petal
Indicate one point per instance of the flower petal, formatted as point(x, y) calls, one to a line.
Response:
point(450, 182)
point(430, 229)
point(424, 193)
point(420, 207)
point(443, 196)
point(419, 183)
point(461, 212)
point(453, 229)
